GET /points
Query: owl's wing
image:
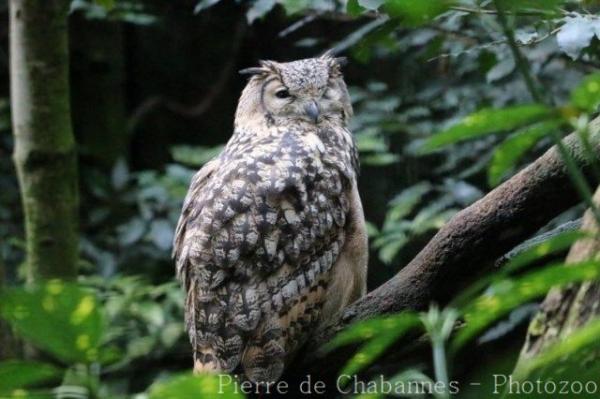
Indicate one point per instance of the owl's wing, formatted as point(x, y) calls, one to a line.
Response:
point(190, 206)
point(256, 245)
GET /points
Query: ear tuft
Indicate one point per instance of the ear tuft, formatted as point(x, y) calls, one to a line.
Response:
point(341, 61)
point(253, 71)
point(265, 68)
point(334, 62)
point(327, 54)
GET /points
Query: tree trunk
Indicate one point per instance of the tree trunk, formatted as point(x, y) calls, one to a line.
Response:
point(565, 310)
point(44, 154)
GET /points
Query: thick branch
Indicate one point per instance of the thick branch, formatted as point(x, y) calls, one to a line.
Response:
point(471, 241)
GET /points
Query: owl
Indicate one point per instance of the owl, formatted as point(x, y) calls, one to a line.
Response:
point(271, 241)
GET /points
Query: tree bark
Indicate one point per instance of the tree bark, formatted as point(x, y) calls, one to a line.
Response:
point(467, 245)
point(44, 154)
point(565, 310)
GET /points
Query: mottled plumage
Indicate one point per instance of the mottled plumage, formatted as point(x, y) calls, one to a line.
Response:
point(271, 239)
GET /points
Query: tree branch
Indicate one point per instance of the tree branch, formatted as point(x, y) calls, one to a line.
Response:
point(197, 110)
point(467, 245)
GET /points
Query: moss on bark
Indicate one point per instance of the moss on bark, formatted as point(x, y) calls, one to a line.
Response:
point(44, 154)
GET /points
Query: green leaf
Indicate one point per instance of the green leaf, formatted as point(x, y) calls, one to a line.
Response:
point(16, 374)
point(161, 233)
point(505, 295)
point(372, 230)
point(553, 245)
point(58, 317)
point(368, 353)
point(439, 324)
point(185, 386)
point(507, 154)
point(558, 243)
point(194, 155)
point(120, 174)
point(390, 249)
point(380, 159)
point(371, 141)
point(204, 4)
point(488, 121)
point(356, 7)
point(380, 333)
point(107, 4)
point(259, 9)
point(523, 5)
point(353, 8)
point(586, 96)
point(295, 6)
point(367, 329)
point(404, 203)
point(415, 13)
point(406, 378)
point(371, 5)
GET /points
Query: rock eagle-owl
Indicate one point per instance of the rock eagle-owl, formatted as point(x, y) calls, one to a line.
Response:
point(271, 241)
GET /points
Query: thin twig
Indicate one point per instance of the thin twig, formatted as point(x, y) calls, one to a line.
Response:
point(298, 24)
point(520, 61)
point(358, 35)
point(528, 13)
point(485, 45)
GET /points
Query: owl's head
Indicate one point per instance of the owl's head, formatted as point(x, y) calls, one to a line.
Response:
point(310, 90)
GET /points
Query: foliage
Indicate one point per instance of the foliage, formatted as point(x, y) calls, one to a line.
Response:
point(145, 320)
point(187, 386)
point(539, 122)
point(60, 318)
point(507, 294)
point(398, 228)
point(17, 374)
point(488, 121)
point(500, 294)
point(66, 321)
point(418, 67)
point(134, 217)
point(378, 333)
point(40, 314)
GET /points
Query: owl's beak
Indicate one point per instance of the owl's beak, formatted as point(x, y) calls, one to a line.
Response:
point(312, 110)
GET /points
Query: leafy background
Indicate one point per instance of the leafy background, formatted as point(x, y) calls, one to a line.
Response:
point(445, 111)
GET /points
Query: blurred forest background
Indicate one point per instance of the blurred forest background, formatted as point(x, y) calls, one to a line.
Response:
point(154, 86)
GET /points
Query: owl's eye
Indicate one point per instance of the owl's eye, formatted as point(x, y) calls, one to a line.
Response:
point(282, 93)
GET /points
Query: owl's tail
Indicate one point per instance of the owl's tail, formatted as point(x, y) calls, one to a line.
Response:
point(263, 358)
point(216, 348)
point(206, 362)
